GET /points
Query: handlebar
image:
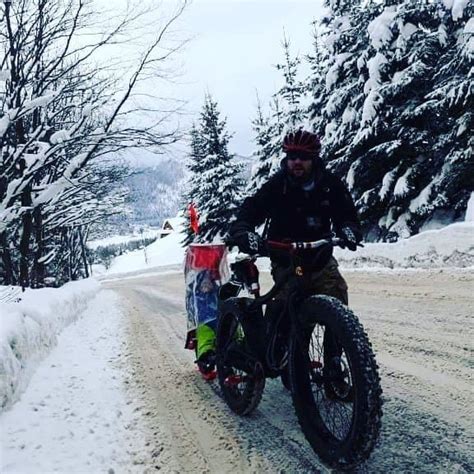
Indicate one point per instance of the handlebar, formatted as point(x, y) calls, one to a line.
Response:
point(289, 246)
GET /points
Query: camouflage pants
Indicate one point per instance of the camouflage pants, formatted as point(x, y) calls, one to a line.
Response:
point(328, 281)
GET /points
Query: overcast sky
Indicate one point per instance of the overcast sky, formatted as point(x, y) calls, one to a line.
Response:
point(235, 45)
point(232, 50)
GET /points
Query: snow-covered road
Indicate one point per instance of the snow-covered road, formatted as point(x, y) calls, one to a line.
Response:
point(420, 324)
point(120, 394)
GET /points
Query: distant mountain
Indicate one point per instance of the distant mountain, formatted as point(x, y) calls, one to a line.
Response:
point(154, 195)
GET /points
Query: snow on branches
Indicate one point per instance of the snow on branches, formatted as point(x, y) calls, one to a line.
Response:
point(397, 109)
point(215, 183)
point(61, 115)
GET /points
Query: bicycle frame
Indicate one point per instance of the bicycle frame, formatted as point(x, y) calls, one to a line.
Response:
point(249, 310)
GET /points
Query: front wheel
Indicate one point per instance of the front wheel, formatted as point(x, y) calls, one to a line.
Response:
point(335, 383)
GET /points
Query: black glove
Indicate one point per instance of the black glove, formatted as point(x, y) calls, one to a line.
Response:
point(249, 242)
point(350, 238)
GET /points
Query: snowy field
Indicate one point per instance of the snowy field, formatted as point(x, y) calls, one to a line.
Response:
point(123, 239)
point(165, 251)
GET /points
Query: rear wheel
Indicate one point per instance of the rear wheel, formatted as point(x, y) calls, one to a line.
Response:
point(335, 383)
point(242, 387)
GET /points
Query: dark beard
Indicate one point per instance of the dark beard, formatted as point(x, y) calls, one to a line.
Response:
point(301, 180)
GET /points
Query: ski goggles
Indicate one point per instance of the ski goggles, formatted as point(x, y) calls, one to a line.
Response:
point(298, 155)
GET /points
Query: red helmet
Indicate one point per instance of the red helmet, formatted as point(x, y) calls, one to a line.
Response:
point(301, 140)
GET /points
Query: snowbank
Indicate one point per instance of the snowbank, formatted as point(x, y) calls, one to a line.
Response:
point(165, 251)
point(470, 205)
point(75, 417)
point(451, 246)
point(29, 330)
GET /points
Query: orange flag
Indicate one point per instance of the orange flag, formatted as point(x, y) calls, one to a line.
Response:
point(193, 218)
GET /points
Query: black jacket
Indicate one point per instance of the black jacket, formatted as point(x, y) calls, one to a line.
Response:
point(296, 214)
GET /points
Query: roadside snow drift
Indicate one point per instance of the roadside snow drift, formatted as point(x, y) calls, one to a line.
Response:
point(76, 416)
point(449, 247)
point(29, 330)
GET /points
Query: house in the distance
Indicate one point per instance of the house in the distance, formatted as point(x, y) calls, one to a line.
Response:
point(170, 225)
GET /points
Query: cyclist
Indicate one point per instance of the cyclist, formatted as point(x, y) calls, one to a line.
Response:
point(301, 202)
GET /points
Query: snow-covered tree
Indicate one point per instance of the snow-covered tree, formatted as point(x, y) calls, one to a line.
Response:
point(277, 127)
point(61, 114)
point(448, 108)
point(413, 160)
point(315, 83)
point(196, 167)
point(338, 79)
point(291, 94)
point(287, 112)
point(215, 184)
point(398, 110)
point(264, 151)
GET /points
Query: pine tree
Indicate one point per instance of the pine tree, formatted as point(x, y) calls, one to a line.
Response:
point(315, 83)
point(346, 39)
point(414, 166)
point(291, 94)
point(277, 126)
point(451, 103)
point(397, 112)
point(287, 112)
point(263, 153)
point(196, 168)
point(215, 184)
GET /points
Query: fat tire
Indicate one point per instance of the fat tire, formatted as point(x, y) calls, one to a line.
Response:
point(366, 422)
point(245, 403)
point(285, 378)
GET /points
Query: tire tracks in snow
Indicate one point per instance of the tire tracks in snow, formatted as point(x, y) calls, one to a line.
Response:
point(191, 426)
point(426, 417)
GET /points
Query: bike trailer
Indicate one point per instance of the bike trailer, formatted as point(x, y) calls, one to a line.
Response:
point(205, 270)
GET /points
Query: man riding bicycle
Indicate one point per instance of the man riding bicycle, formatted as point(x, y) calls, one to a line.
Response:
point(301, 202)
